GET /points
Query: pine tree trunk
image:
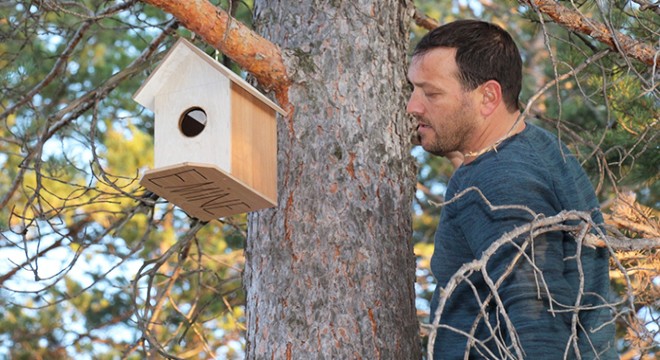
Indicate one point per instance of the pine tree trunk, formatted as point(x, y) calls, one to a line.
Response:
point(330, 272)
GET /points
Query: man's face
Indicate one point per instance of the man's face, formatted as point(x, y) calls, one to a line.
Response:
point(446, 115)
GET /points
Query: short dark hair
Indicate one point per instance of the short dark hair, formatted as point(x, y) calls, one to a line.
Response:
point(484, 52)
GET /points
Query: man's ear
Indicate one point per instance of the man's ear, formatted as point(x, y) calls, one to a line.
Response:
point(491, 97)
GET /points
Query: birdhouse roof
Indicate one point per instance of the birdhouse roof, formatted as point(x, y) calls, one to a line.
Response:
point(181, 52)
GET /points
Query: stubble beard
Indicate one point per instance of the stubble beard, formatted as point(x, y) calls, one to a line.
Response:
point(439, 146)
point(460, 125)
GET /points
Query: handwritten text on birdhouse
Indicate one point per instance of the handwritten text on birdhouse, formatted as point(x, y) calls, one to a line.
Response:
point(194, 187)
point(203, 191)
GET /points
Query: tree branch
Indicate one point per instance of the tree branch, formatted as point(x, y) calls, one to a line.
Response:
point(423, 21)
point(621, 243)
point(575, 21)
point(62, 60)
point(646, 5)
point(77, 107)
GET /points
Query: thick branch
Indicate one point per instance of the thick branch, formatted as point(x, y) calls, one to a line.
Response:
point(574, 21)
point(255, 54)
point(423, 21)
point(644, 229)
point(621, 243)
point(646, 5)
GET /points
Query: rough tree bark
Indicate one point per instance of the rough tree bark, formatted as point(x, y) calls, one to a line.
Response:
point(330, 272)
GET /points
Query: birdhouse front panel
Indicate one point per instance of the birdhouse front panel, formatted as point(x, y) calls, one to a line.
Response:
point(174, 143)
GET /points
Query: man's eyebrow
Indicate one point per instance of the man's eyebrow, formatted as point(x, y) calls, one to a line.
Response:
point(418, 84)
point(424, 85)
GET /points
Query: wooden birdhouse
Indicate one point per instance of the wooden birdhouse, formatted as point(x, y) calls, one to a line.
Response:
point(215, 138)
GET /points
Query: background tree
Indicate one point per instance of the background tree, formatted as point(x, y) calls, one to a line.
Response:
point(93, 268)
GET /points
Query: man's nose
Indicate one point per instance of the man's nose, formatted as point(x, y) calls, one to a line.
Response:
point(414, 107)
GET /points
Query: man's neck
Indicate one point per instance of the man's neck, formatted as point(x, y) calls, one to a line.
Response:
point(494, 131)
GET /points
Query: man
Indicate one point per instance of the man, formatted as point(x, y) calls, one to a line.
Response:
point(466, 79)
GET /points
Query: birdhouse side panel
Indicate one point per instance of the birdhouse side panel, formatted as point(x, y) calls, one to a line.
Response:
point(254, 142)
point(210, 146)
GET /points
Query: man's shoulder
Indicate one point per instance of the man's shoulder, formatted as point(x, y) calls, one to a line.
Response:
point(519, 165)
point(518, 160)
point(510, 182)
point(535, 152)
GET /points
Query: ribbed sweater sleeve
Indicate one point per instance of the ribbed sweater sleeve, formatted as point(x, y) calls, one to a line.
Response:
point(522, 293)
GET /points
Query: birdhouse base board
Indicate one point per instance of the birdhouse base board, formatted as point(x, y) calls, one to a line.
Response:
point(204, 191)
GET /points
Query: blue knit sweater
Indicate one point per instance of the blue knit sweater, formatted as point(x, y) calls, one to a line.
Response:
point(534, 170)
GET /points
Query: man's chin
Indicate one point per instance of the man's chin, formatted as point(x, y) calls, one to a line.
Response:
point(432, 149)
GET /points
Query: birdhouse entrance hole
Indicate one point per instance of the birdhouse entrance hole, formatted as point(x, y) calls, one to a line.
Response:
point(192, 122)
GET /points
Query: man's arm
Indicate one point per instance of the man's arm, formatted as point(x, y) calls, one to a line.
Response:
point(523, 291)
